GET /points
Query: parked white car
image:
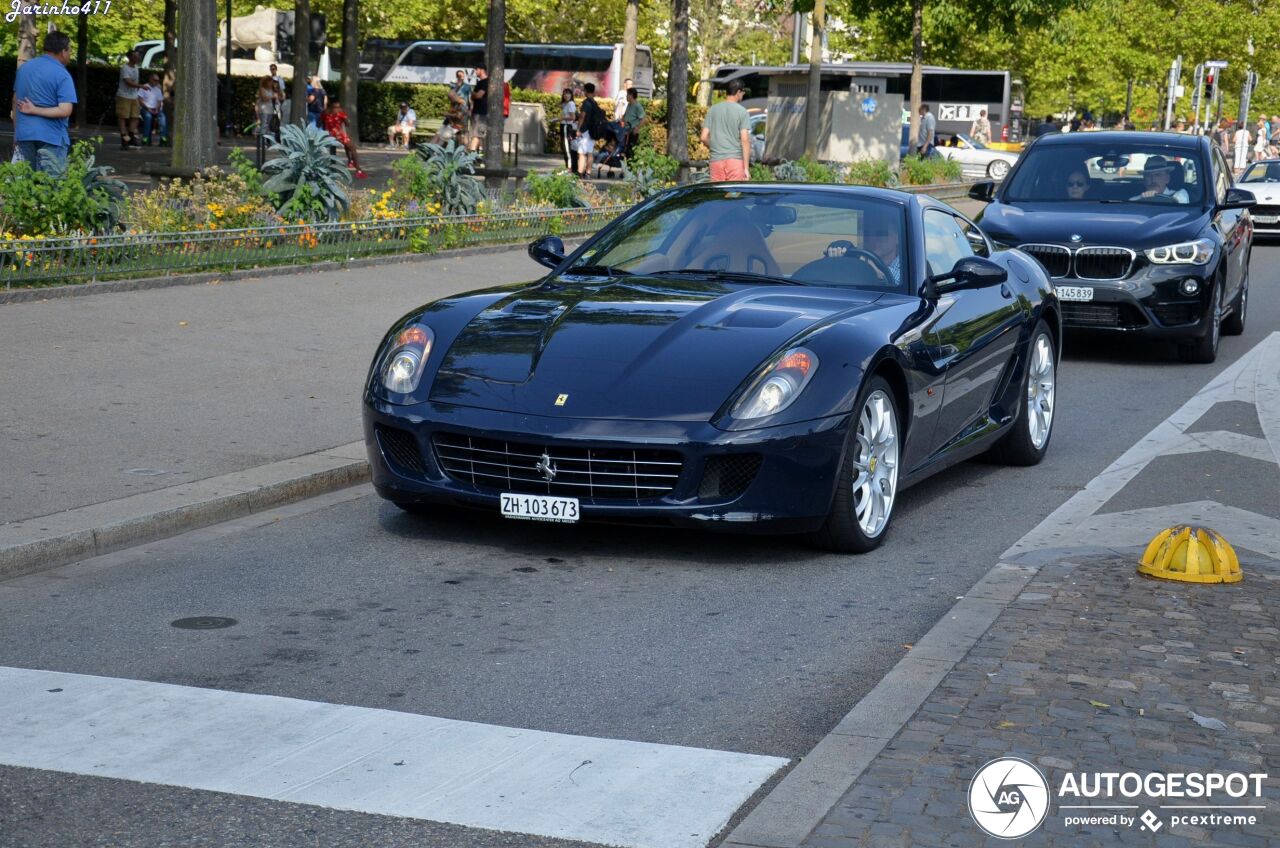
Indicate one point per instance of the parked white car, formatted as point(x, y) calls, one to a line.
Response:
point(975, 158)
point(1262, 180)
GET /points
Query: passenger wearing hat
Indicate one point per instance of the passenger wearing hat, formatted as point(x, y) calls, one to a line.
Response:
point(1155, 181)
point(406, 123)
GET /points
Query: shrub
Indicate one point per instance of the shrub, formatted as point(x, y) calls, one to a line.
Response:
point(212, 200)
point(308, 175)
point(790, 172)
point(761, 173)
point(871, 172)
point(641, 180)
point(665, 168)
point(440, 176)
point(927, 171)
point(83, 197)
point(559, 190)
point(817, 172)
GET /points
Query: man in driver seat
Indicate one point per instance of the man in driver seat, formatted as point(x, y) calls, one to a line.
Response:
point(1156, 175)
point(881, 239)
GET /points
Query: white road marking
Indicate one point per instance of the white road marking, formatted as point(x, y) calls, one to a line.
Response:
point(375, 761)
point(1253, 378)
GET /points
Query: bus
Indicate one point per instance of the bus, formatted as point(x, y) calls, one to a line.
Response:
point(955, 97)
point(549, 68)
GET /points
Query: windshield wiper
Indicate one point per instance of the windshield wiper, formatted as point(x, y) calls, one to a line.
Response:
point(595, 271)
point(733, 276)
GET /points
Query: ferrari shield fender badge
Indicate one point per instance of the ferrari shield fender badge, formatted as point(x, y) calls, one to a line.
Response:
point(561, 399)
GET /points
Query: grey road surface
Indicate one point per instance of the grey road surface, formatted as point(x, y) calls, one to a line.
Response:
point(739, 644)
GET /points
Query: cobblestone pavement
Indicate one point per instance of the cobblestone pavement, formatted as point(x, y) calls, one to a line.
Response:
point(1092, 668)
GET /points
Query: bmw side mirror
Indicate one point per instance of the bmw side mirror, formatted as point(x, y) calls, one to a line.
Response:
point(972, 272)
point(1238, 198)
point(983, 190)
point(548, 251)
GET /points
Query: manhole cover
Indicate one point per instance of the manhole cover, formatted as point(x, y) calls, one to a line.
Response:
point(203, 622)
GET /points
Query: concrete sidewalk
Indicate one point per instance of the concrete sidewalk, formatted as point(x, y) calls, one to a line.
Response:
point(1066, 658)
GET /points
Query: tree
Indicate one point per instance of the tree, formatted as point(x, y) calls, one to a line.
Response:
point(82, 68)
point(629, 39)
point(351, 59)
point(301, 61)
point(495, 47)
point(26, 38)
point(678, 84)
point(195, 99)
point(813, 99)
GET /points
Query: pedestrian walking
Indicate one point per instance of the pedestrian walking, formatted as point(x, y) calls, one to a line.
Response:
point(335, 121)
point(927, 137)
point(1273, 140)
point(43, 99)
point(1260, 140)
point(592, 125)
point(478, 123)
point(568, 127)
point(128, 111)
point(727, 134)
point(316, 100)
point(267, 102)
point(151, 102)
point(1241, 142)
point(980, 130)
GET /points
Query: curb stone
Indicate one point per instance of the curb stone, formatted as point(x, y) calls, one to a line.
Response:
point(45, 542)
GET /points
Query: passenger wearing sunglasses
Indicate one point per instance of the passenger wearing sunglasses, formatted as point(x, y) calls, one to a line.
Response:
point(1077, 185)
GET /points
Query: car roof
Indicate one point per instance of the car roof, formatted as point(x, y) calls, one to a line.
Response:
point(1170, 139)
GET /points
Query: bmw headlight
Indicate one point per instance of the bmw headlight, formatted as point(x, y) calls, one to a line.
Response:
point(1197, 252)
point(779, 385)
point(403, 364)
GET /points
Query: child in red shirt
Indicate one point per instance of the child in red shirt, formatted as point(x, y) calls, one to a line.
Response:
point(334, 121)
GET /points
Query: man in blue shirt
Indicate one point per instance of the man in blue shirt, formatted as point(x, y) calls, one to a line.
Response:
point(43, 97)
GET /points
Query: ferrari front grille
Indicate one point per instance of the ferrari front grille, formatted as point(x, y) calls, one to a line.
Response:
point(400, 447)
point(595, 473)
point(728, 476)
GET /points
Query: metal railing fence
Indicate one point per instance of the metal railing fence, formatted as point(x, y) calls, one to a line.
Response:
point(77, 259)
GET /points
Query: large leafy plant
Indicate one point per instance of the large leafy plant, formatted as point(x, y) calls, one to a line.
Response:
point(560, 190)
point(442, 174)
point(308, 175)
point(78, 197)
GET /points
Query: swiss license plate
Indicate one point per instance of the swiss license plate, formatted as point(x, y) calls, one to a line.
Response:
point(1265, 219)
point(1076, 293)
point(540, 508)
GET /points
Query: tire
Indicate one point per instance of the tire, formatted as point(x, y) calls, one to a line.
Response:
point(1028, 439)
point(1205, 349)
point(998, 169)
point(1233, 324)
point(871, 458)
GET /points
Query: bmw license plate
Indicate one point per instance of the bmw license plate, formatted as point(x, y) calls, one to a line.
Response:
point(1265, 219)
point(1076, 293)
point(540, 508)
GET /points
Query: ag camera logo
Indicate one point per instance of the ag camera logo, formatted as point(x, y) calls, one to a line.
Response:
point(1008, 798)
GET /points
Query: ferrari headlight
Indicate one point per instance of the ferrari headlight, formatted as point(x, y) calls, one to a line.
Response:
point(403, 365)
point(779, 386)
point(1197, 252)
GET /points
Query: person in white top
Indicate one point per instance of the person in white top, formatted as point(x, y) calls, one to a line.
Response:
point(406, 123)
point(1156, 174)
point(1241, 141)
point(620, 101)
point(127, 112)
point(151, 99)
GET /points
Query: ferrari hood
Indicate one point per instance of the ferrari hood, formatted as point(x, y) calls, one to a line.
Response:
point(1135, 226)
point(628, 348)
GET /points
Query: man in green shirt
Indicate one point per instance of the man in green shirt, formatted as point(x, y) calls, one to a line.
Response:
point(633, 117)
point(727, 134)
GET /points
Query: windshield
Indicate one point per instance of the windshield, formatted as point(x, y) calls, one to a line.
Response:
point(976, 145)
point(1262, 172)
point(798, 236)
point(1107, 173)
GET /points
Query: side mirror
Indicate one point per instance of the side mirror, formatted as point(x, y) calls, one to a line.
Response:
point(1238, 198)
point(972, 272)
point(984, 191)
point(548, 251)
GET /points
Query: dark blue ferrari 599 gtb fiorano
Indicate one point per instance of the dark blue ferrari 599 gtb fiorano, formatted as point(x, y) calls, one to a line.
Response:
point(776, 358)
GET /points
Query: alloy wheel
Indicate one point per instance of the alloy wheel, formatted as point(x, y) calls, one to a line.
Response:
point(1041, 383)
point(875, 463)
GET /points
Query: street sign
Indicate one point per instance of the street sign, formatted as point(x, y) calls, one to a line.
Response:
point(1215, 63)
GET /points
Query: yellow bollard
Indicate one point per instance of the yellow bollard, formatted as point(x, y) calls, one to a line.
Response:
point(1191, 554)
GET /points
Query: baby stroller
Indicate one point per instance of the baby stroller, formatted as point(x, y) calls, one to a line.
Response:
point(610, 156)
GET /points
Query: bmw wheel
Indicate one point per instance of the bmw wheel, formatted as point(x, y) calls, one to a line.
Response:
point(1028, 439)
point(868, 481)
point(998, 169)
point(1233, 325)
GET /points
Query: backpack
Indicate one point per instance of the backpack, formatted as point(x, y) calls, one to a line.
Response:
point(595, 122)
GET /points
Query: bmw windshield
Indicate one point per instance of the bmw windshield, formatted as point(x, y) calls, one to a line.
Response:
point(796, 236)
point(1094, 172)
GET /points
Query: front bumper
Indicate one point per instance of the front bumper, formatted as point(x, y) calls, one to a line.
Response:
point(1147, 303)
point(790, 492)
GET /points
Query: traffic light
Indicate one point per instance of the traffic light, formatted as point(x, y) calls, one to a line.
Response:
point(1210, 78)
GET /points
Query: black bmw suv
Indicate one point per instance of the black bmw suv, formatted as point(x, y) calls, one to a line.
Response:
point(1142, 233)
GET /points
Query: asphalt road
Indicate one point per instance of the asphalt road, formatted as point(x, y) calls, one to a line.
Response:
point(738, 644)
